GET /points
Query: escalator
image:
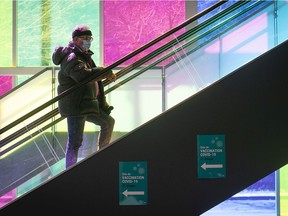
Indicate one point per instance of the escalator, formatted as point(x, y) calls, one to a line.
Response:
point(243, 102)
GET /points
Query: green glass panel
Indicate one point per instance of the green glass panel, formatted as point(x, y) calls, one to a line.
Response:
point(45, 24)
point(66, 14)
point(6, 33)
point(29, 33)
point(284, 191)
point(42, 25)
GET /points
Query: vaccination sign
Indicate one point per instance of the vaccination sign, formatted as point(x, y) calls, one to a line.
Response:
point(211, 156)
point(133, 183)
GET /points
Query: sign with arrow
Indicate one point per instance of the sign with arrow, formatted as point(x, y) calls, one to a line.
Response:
point(133, 183)
point(211, 156)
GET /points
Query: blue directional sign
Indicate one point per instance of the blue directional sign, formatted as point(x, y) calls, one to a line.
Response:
point(211, 156)
point(133, 183)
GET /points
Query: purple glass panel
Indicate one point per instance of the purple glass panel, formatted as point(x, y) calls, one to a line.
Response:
point(5, 84)
point(129, 25)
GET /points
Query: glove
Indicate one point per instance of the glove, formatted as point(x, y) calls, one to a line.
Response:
point(107, 109)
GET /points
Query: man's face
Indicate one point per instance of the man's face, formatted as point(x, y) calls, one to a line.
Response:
point(84, 41)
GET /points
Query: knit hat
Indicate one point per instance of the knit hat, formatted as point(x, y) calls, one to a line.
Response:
point(77, 33)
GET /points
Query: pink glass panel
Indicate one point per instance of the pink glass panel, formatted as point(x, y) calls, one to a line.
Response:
point(5, 84)
point(129, 25)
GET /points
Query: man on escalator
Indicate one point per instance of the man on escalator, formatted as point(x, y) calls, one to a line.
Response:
point(87, 103)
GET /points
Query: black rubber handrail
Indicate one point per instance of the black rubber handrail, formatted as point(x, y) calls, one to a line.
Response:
point(27, 138)
point(30, 126)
